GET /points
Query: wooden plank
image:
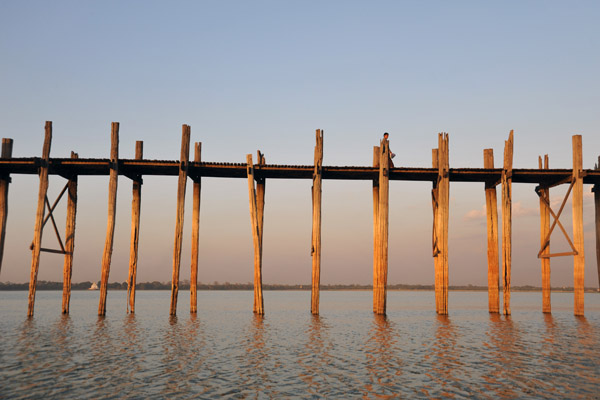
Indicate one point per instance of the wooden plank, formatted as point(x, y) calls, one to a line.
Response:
point(136, 208)
point(507, 222)
point(69, 240)
point(181, 186)
point(435, 158)
point(39, 217)
point(195, 234)
point(544, 230)
point(577, 201)
point(316, 224)
point(376, 241)
point(491, 209)
point(7, 146)
point(112, 210)
point(596, 191)
point(258, 298)
point(443, 203)
point(380, 289)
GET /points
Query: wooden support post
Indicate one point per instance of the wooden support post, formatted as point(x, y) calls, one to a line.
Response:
point(69, 239)
point(544, 231)
point(185, 157)
point(195, 234)
point(136, 206)
point(256, 238)
point(596, 190)
point(441, 224)
point(39, 217)
point(112, 210)
point(7, 145)
point(491, 208)
point(435, 158)
point(380, 288)
point(376, 239)
point(579, 258)
point(507, 222)
point(316, 223)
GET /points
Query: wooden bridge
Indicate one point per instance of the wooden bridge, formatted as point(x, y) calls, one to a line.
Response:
point(257, 173)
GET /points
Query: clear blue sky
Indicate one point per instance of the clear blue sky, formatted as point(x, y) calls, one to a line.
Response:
point(266, 74)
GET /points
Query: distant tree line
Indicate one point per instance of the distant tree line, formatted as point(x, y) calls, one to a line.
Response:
point(185, 285)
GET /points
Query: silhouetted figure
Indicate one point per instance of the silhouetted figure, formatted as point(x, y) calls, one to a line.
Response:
point(392, 155)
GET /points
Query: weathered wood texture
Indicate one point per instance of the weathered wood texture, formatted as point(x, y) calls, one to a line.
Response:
point(491, 211)
point(376, 251)
point(195, 233)
point(256, 238)
point(181, 186)
point(380, 288)
point(39, 217)
point(544, 231)
point(136, 208)
point(7, 145)
point(577, 202)
point(507, 222)
point(316, 224)
point(69, 239)
point(441, 225)
point(596, 190)
point(112, 210)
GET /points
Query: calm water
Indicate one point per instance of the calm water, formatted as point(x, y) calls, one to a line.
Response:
point(226, 351)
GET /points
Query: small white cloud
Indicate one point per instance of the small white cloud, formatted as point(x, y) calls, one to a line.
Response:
point(519, 211)
point(475, 214)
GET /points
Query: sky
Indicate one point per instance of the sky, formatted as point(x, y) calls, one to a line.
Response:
point(265, 75)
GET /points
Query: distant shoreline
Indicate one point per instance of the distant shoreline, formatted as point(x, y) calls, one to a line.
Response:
point(47, 285)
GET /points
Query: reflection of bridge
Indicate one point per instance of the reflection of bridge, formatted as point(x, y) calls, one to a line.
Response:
point(380, 174)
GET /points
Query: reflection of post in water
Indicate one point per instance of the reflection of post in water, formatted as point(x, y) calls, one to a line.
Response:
point(383, 365)
point(316, 358)
point(446, 356)
point(257, 356)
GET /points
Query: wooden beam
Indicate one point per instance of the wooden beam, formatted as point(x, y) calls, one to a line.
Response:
point(184, 159)
point(260, 212)
point(69, 240)
point(136, 207)
point(376, 239)
point(7, 146)
point(39, 217)
point(577, 201)
point(596, 190)
point(256, 239)
point(443, 203)
point(316, 223)
point(544, 231)
point(195, 233)
point(380, 289)
point(507, 222)
point(112, 211)
point(491, 210)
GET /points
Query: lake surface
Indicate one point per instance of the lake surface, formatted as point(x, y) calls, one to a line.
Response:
point(347, 352)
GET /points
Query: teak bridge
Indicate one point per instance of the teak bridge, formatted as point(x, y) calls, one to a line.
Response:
point(257, 173)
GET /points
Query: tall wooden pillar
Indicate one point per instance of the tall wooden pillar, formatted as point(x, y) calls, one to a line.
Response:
point(442, 202)
point(380, 288)
point(507, 222)
point(579, 258)
point(255, 220)
point(316, 223)
point(195, 233)
point(491, 208)
point(183, 166)
point(69, 239)
point(39, 217)
point(435, 158)
point(376, 240)
point(544, 231)
point(112, 210)
point(7, 145)
point(596, 190)
point(136, 207)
